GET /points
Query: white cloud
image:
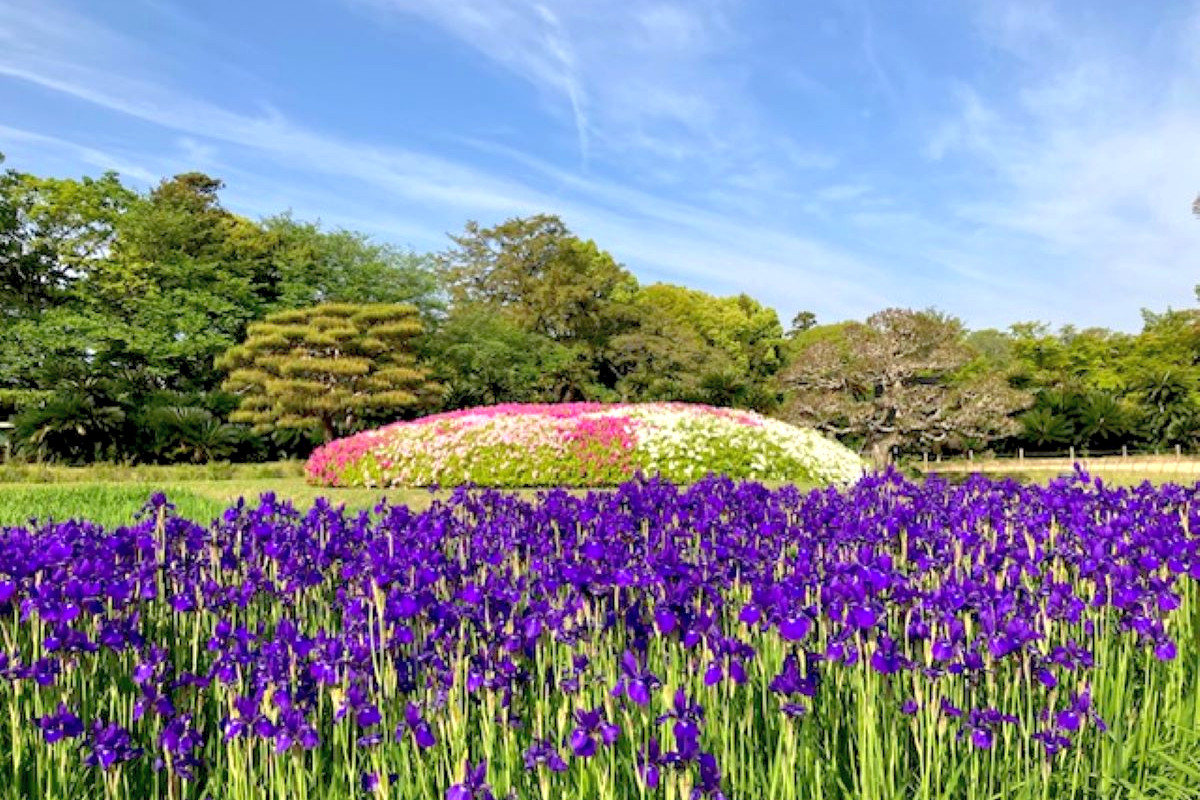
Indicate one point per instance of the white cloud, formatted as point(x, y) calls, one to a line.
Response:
point(1091, 159)
point(92, 156)
point(644, 82)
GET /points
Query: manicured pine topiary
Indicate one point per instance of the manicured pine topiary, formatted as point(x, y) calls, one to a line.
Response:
point(329, 367)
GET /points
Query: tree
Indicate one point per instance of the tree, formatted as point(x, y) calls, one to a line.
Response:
point(541, 275)
point(747, 334)
point(51, 230)
point(803, 321)
point(482, 358)
point(340, 266)
point(190, 433)
point(898, 380)
point(29, 274)
point(71, 425)
point(689, 345)
point(335, 367)
point(160, 284)
point(545, 280)
point(1045, 428)
point(1163, 376)
point(111, 298)
point(184, 279)
point(662, 358)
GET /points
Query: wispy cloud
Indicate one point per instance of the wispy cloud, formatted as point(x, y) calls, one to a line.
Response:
point(1093, 152)
point(92, 156)
point(644, 82)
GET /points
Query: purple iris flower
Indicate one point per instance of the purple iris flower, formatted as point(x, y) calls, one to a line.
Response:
point(474, 785)
point(62, 724)
point(543, 753)
point(688, 718)
point(636, 682)
point(414, 723)
point(109, 744)
point(591, 731)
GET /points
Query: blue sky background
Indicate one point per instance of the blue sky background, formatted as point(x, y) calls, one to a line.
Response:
point(1001, 160)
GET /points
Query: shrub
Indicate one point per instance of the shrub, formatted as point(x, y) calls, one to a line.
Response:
point(581, 444)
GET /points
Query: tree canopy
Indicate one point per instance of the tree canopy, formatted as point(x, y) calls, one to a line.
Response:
point(899, 380)
point(542, 276)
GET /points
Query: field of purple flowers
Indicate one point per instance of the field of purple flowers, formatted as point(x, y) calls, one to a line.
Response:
point(886, 640)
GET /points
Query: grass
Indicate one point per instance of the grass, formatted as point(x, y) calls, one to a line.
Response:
point(112, 494)
point(150, 473)
point(117, 503)
point(107, 504)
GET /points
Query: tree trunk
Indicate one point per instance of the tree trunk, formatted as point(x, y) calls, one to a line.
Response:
point(881, 455)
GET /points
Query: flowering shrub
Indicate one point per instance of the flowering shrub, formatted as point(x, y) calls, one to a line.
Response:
point(889, 640)
point(582, 444)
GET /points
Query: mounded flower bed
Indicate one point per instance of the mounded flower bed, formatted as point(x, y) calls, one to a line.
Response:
point(582, 444)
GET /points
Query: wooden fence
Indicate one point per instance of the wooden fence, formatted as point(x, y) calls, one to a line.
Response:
point(1169, 463)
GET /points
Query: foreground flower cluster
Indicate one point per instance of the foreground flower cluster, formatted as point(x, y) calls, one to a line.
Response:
point(582, 444)
point(890, 640)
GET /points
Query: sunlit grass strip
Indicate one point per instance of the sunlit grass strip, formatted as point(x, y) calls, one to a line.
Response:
point(104, 504)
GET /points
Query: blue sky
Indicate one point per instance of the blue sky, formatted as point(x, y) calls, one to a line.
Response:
point(1001, 160)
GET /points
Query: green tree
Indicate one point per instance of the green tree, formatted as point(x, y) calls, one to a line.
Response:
point(544, 279)
point(803, 321)
point(190, 433)
point(747, 334)
point(541, 275)
point(1106, 388)
point(663, 358)
point(29, 274)
point(114, 297)
point(483, 358)
point(689, 345)
point(901, 379)
point(340, 266)
point(1163, 376)
point(1045, 428)
point(72, 425)
point(160, 284)
point(333, 367)
point(51, 231)
point(185, 278)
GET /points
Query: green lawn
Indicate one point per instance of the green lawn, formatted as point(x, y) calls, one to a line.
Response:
point(113, 503)
point(112, 494)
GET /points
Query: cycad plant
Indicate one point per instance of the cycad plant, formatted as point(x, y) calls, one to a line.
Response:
point(189, 433)
point(70, 426)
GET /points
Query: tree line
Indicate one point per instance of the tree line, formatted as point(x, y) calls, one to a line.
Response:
point(159, 326)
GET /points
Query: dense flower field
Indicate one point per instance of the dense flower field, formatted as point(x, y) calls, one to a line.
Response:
point(582, 444)
point(888, 640)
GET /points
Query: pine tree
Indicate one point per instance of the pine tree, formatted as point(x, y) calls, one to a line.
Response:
point(331, 367)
